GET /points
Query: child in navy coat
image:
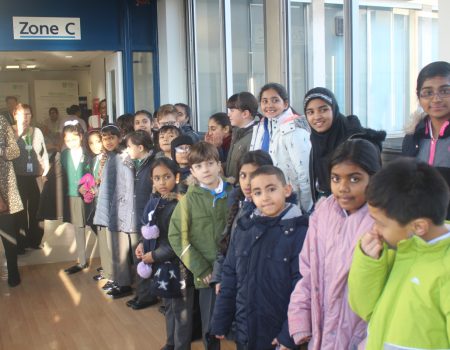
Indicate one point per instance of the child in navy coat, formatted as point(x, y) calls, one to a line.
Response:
point(261, 267)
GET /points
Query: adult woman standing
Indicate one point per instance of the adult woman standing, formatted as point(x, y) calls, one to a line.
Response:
point(31, 163)
point(10, 202)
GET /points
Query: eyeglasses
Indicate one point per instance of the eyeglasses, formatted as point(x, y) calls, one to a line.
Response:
point(429, 93)
point(182, 149)
point(167, 123)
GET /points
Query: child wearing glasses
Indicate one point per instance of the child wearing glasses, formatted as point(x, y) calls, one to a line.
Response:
point(430, 140)
point(181, 148)
point(167, 115)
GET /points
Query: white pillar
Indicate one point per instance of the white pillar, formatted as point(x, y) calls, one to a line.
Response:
point(172, 51)
point(276, 70)
point(317, 52)
point(444, 30)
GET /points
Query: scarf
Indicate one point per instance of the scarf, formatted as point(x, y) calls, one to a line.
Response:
point(324, 144)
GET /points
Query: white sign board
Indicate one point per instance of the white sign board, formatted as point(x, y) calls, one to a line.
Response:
point(54, 93)
point(46, 28)
point(19, 90)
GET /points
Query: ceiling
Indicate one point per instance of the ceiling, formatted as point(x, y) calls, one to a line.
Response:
point(49, 60)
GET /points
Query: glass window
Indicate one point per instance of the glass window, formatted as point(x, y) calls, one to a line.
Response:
point(143, 81)
point(391, 39)
point(248, 45)
point(334, 52)
point(298, 59)
point(210, 60)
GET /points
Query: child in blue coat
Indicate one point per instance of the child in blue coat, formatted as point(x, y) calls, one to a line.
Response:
point(261, 267)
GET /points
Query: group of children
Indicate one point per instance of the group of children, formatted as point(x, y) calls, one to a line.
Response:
point(273, 265)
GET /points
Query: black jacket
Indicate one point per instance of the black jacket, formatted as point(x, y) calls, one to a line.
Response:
point(162, 251)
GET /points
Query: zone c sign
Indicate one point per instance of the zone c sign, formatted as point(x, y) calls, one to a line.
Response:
point(46, 28)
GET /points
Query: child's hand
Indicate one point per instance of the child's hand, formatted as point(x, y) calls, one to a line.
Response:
point(82, 190)
point(372, 244)
point(139, 251)
point(221, 337)
point(278, 345)
point(148, 258)
point(217, 288)
point(207, 279)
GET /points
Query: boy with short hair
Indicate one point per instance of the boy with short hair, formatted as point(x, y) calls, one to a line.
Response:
point(261, 268)
point(197, 223)
point(400, 276)
point(184, 115)
point(242, 110)
point(167, 115)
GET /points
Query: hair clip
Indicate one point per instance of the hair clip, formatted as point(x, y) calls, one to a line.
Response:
point(71, 122)
point(109, 126)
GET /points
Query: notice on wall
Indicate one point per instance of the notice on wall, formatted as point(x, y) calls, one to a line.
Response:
point(19, 90)
point(54, 93)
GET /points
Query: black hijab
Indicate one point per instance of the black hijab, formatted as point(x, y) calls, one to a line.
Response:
point(323, 144)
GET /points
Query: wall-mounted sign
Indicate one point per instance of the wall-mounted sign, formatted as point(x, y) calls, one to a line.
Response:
point(46, 28)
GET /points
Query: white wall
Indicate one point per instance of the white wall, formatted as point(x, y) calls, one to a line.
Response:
point(444, 30)
point(82, 77)
point(172, 51)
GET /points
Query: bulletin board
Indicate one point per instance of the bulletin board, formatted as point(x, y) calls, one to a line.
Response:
point(54, 93)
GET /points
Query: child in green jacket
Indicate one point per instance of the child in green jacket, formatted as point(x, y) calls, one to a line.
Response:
point(400, 276)
point(196, 226)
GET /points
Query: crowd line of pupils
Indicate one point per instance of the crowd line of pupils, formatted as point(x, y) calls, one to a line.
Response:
point(267, 274)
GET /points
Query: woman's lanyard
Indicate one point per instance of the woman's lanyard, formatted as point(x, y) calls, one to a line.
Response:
point(29, 147)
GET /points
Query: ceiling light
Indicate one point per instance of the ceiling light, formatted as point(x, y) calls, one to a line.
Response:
point(31, 66)
point(68, 56)
point(13, 67)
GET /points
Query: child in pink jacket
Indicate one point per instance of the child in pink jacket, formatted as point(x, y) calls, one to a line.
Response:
point(319, 311)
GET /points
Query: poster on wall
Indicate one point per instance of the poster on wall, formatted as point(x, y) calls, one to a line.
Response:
point(19, 90)
point(54, 93)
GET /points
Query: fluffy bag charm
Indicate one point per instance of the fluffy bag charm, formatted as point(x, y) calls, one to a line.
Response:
point(149, 232)
point(144, 270)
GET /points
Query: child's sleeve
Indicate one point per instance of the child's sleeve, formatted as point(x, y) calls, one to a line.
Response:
point(225, 306)
point(284, 336)
point(299, 150)
point(299, 311)
point(366, 281)
point(164, 252)
point(179, 240)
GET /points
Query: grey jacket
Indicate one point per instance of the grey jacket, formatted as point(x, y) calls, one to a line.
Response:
point(132, 192)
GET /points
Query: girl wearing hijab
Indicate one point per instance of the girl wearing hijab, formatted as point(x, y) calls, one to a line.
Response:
point(330, 128)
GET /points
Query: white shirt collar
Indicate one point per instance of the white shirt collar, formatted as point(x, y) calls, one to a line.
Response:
point(218, 189)
point(440, 238)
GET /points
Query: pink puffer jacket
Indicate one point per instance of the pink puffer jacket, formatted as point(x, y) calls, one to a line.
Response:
point(319, 305)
